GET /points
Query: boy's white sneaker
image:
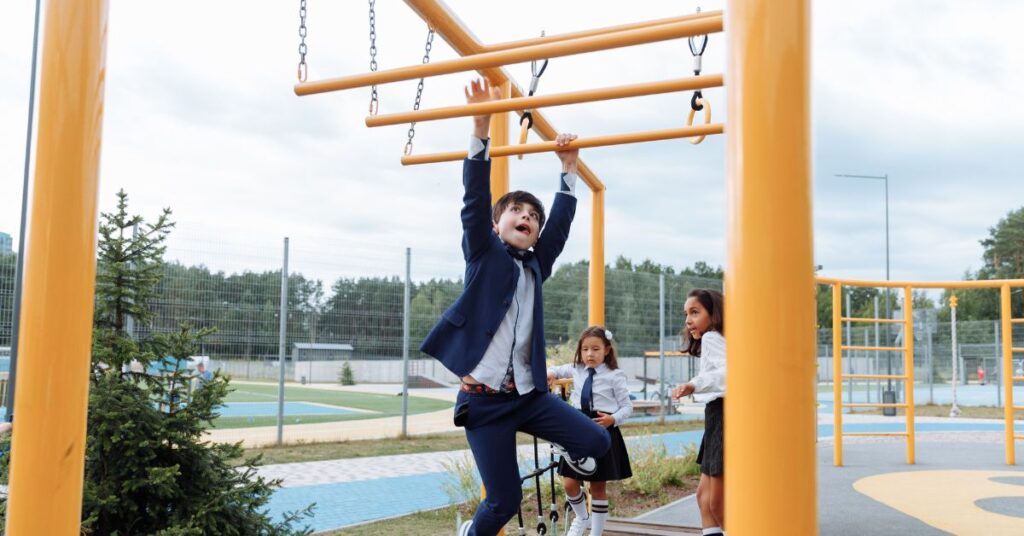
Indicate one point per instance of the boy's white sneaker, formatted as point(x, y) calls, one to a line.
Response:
point(578, 527)
point(464, 529)
point(584, 466)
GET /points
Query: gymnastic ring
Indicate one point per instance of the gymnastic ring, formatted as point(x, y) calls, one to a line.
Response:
point(707, 118)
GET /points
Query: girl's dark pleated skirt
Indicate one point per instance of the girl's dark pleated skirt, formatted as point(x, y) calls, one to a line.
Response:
point(711, 456)
point(614, 465)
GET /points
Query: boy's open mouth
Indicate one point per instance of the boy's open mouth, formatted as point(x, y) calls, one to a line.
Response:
point(523, 228)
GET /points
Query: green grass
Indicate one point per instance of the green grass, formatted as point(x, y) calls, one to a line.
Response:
point(380, 405)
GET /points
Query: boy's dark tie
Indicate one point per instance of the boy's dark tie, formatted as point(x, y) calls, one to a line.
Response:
point(587, 394)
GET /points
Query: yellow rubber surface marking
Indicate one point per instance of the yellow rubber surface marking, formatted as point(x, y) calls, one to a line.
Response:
point(946, 499)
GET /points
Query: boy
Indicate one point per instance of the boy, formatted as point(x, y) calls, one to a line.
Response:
point(493, 335)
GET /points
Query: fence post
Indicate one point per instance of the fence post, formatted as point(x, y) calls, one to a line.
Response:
point(405, 343)
point(954, 411)
point(663, 397)
point(997, 371)
point(282, 344)
point(849, 342)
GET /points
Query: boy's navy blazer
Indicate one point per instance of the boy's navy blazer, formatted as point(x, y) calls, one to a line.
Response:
point(464, 332)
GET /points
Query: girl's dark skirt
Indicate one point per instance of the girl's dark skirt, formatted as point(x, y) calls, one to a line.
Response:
point(614, 465)
point(711, 456)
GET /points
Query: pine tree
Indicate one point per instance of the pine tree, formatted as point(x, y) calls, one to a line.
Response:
point(148, 469)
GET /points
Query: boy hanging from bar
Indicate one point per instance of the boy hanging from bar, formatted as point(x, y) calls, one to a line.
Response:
point(492, 337)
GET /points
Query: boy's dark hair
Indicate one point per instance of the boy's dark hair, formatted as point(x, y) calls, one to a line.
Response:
point(713, 302)
point(600, 332)
point(518, 197)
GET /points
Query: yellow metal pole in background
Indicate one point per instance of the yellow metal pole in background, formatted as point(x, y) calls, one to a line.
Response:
point(769, 283)
point(908, 369)
point(48, 450)
point(595, 291)
point(1007, 325)
point(485, 60)
point(499, 137)
point(837, 374)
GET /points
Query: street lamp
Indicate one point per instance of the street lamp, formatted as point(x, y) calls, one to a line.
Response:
point(888, 315)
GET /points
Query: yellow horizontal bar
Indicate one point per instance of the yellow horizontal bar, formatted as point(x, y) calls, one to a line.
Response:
point(1019, 408)
point(983, 283)
point(1017, 378)
point(871, 405)
point(1018, 436)
point(873, 377)
point(543, 101)
point(580, 143)
point(873, 320)
point(1017, 349)
point(880, 348)
point(484, 60)
point(597, 31)
point(1017, 320)
point(881, 434)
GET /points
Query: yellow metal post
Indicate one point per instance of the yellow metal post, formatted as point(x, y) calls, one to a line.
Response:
point(48, 450)
point(837, 374)
point(1007, 325)
point(769, 284)
point(499, 137)
point(595, 292)
point(908, 368)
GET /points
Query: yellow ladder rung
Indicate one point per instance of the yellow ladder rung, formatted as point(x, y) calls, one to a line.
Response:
point(873, 405)
point(1018, 349)
point(1017, 320)
point(873, 377)
point(872, 348)
point(1017, 378)
point(881, 434)
point(1018, 437)
point(1018, 408)
point(873, 320)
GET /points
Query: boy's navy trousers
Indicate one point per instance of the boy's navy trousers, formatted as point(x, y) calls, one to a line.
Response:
point(491, 422)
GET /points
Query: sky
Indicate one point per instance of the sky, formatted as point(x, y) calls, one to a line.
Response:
point(200, 116)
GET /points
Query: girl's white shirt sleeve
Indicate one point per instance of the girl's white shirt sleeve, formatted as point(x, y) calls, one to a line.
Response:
point(709, 383)
point(621, 393)
point(562, 371)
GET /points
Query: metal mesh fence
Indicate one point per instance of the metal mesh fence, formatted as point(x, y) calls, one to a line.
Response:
point(346, 304)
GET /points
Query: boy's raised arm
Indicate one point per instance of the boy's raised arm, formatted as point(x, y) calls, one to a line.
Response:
point(556, 230)
point(476, 174)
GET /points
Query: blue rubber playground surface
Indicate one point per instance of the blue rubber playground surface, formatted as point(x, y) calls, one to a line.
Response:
point(264, 409)
point(351, 503)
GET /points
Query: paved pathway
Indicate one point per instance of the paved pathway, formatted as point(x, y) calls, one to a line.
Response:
point(360, 490)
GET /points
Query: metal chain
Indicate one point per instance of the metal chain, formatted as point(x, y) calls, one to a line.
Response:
point(373, 56)
point(698, 53)
point(419, 90)
point(302, 41)
point(535, 73)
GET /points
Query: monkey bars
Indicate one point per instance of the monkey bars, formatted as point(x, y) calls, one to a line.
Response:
point(637, 36)
point(543, 101)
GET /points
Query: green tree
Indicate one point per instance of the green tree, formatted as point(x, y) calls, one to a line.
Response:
point(148, 469)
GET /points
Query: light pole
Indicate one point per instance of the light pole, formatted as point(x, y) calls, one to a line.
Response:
point(888, 315)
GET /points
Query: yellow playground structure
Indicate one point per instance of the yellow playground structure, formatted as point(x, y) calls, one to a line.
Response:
point(769, 286)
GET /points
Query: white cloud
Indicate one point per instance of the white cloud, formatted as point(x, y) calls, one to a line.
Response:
point(200, 116)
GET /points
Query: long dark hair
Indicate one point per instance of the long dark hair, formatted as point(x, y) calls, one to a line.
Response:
point(713, 302)
point(600, 332)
